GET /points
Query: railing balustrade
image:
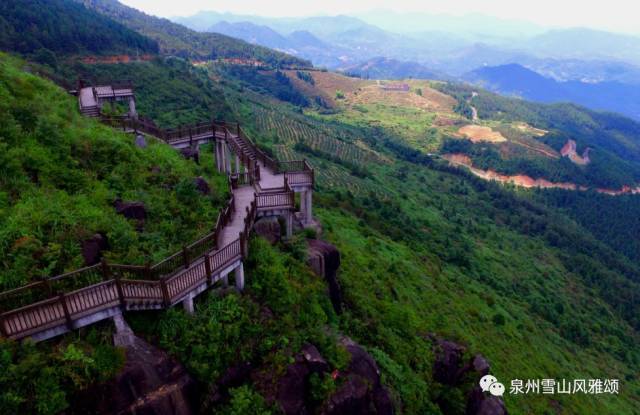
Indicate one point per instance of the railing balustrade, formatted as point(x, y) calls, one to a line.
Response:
point(65, 298)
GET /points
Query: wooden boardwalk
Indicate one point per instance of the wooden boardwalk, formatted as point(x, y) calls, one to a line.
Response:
point(260, 186)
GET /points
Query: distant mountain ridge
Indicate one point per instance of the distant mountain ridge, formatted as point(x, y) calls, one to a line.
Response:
point(178, 40)
point(514, 79)
point(385, 68)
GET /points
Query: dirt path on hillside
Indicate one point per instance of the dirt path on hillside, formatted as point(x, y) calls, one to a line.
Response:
point(474, 111)
point(521, 180)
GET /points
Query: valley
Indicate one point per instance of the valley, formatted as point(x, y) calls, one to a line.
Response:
point(419, 233)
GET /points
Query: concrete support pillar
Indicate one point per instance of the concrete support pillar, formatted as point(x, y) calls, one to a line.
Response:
point(225, 280)
point(303, 204)
point(132, 108)
point(289, 225)
point(239, 274)
point(124, 335)
point(237, 164)
point(309, 206)
point(218, 156)
point(228, 158)
point(187, 303)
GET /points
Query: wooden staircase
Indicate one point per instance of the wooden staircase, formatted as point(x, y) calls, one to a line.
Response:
point(92, 111)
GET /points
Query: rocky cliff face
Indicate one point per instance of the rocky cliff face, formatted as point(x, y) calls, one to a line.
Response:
point(151, 383)
point(324, 259)
point(452, 369)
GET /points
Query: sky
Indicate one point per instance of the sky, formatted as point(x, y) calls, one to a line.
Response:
point(615, 15)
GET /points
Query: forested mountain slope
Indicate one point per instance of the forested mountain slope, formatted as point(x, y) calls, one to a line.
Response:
point(516, 80)
point(428, 248)
point(429, 252)
point(43, 29)
point(61, 174)
point(177, 40)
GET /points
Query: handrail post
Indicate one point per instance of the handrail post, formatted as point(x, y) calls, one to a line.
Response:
point(105, 269)
point(147, 271)
point(67, 315)
point(3, 330)
point(242, 247)
point(185, 256)
point(120, 292)
point(165, 292)
point(207, 269)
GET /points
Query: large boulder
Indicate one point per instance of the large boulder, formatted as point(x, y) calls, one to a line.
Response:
point(192, 152)
point(201, 185)
point(447, 368)
point(293, 388)
point(268, 228)
point(233, 377)
point(361, 391)
point(131, 210)
point(450, 369)
point(93, 247)
point(482, 403)
point(151, 383)
point(350, 398)
point(324, 259)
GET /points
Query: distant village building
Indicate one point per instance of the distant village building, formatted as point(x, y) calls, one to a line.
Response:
point(395, 87)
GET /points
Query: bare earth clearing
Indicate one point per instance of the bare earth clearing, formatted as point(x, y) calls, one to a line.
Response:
point(526, 181)
point(359, 91)
point(479, 133)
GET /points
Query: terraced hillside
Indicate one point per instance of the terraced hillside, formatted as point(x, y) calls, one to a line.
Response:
point(432, 251)
point(430, 255)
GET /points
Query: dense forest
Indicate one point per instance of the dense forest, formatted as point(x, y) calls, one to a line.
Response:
point(613, 220)
point(615, 148)
point(46, 29)
point(177, 40)
point(541, 284)
point(171, 91)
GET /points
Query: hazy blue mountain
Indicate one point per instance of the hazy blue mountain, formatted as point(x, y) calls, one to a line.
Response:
point(252, 33)
point(300, 43)
point(469, 26)
point(385, 68)
point(517, 80)
point(581, 43)
point(447, 44)
point(584, 70)
point(306, 38)
point(318, 25)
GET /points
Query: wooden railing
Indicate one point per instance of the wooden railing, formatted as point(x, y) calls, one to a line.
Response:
point(67, 298)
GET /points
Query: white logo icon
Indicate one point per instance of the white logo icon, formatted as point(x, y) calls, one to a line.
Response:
point(490, 383)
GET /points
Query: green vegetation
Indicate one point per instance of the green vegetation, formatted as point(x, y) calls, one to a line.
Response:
point(169, 91)
point(177, 40)
point(60, 174)
point(45, 29)
point(613, 220)
point(615, 154)
point(427, 250)
point(306, 76)
point(431, 249)
point(274, 83)
point(42, 379)
point(284, 307)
